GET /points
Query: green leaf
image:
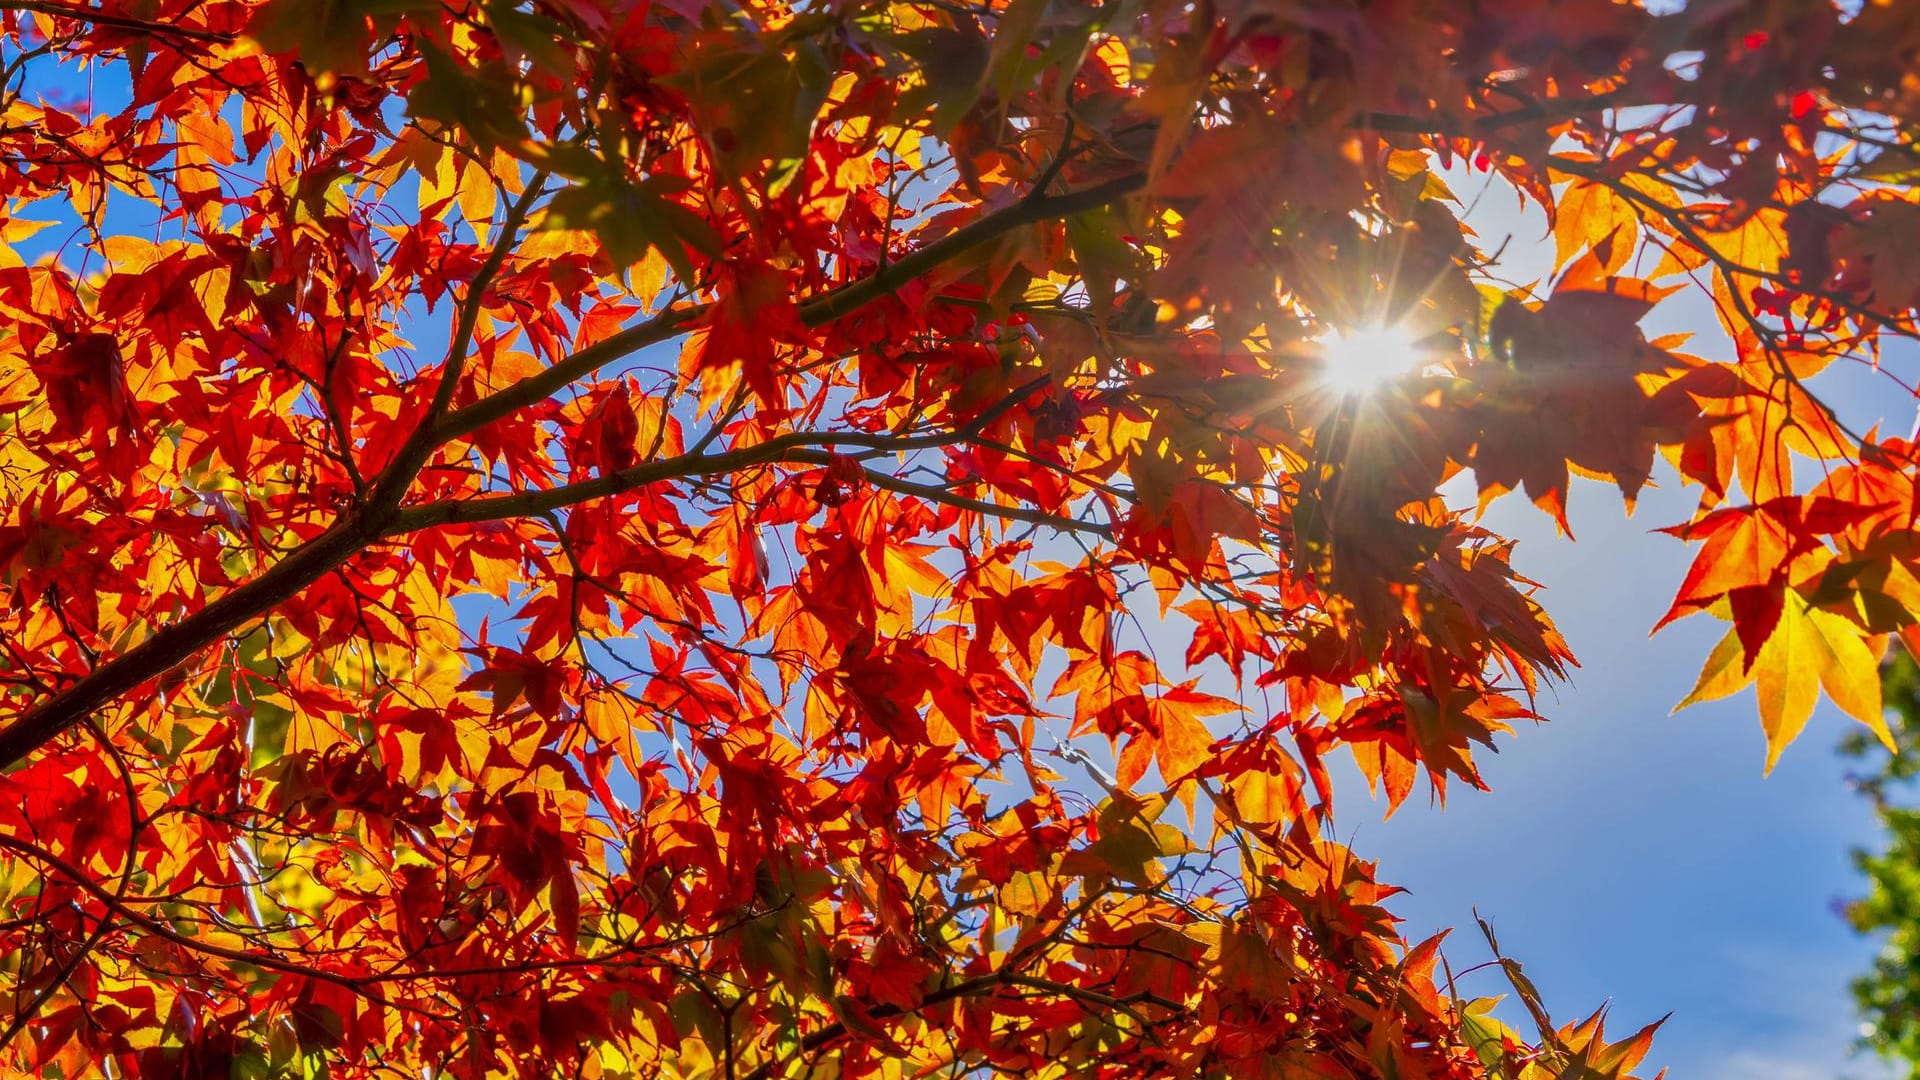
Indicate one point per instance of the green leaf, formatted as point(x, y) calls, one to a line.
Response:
point(631, 218)
point(757, 98)
point(544, 42)
point(329, 36)
point(953, 65)
point(480, 102)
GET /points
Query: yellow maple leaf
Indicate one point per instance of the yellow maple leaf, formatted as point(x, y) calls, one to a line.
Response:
point(1810, 650)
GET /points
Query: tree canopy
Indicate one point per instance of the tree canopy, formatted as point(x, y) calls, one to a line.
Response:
point(763, 540)
point(1888, 995)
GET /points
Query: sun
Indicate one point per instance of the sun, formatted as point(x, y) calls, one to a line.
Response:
point(1364, 359)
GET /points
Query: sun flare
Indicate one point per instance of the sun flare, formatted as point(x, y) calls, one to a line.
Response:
point(1362, 360)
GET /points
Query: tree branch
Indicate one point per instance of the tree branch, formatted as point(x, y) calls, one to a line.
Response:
point(118, 22)
point(32, 1008)
point(352, 533)
point(787, 447)
point(1031, 211)
point(979, 984)
point(836, 1031)
point(1551, 109)
point(120, 908)
point(819, 311)
point(979, 506)
point(177, 642)
point(399, 474)
point(530, 503)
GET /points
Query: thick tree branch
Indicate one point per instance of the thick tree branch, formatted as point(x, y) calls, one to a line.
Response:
point(347, 537)
point(174, 644)
point(816, 312)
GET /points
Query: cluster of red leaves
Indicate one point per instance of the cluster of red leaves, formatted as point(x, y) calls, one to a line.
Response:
point(410, 662)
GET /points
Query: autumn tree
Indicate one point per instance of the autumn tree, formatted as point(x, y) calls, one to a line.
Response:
point(1889, 994)
point(620, 538)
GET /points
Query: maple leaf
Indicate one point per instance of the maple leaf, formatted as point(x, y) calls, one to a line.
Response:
point(1868, 257)
point(86, 387)
point(1572, 396)
point(1807, 649)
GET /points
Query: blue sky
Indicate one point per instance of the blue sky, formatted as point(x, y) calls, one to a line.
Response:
point(1632, 855)
point(1629, 855)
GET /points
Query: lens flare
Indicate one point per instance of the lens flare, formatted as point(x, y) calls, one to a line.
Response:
point(1362, 360)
